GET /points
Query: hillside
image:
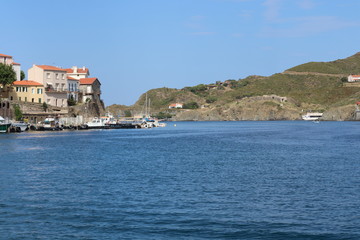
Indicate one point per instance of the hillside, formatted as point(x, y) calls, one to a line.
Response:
point(314, 86)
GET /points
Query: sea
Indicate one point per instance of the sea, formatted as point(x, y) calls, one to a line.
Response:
point(188, 180)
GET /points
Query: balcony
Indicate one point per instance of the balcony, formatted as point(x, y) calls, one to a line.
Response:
point(55, 90)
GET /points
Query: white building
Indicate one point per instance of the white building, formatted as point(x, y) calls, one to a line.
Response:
point(354, 78)
point(73, 88)
point(77, 73)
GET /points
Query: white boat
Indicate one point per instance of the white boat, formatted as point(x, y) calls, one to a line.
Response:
point(312, 116)
point(23, 126)
point(4, 125)
point(100, 122)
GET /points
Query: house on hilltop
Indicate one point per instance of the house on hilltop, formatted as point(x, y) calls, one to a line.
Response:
point(176, 105)
point(354, 78)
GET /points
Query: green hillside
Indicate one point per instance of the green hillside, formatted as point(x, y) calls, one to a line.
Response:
point(319, 84)
point(350, 65)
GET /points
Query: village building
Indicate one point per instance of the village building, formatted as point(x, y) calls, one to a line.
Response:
point(8, 60)
point(73, 88)
point(354, 78)
point(77, 73)
point(54, 80)
point(27, 91)
point(90, 89)
point(176, 105)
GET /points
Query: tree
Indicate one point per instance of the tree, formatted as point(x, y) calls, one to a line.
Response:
point(71, 101)
point(22, 75)
point(127, 113)
point(45, 106)
point(7, 74)
point(18, 113)
point(191, 105)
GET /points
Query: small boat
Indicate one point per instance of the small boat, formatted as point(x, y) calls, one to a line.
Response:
point(101, 122)
point(312, 116)
point(23, 126)
point(50, 124)
point(4, 125)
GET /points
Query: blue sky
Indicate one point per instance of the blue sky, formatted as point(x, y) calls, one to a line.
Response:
point(135, 45)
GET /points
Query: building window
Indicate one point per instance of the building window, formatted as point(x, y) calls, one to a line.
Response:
point(48, 75)
point(19, 98)
point(25, 99)
point(39, 100)
point(17, 89)
point(39, 91)
point(32, 90)
point(57, 76)
point(24, 89)
point(63, 76)
point(33, 100)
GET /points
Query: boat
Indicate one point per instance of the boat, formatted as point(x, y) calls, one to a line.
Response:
point(22, 126)
point(101, 122)
point(312, 116)
point(50, 124)
point(4, 125)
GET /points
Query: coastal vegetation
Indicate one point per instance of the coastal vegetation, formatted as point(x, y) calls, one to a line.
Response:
point(7, 74)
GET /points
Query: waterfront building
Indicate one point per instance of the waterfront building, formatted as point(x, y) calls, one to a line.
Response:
point(54, 80)
point(27, 91)
point(90, 89)
point(73, 88)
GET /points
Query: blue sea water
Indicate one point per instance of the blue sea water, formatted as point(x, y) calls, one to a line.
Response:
point(198, 180)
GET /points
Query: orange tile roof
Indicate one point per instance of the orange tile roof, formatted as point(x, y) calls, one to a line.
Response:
point(355, 75)
point(79, 70)
point(87, 81)
point(26, 83)
point(3, 55)
point(51, 68)
point(14, 63)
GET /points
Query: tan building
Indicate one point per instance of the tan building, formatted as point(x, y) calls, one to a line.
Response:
point(54, 80)
point(27, 91)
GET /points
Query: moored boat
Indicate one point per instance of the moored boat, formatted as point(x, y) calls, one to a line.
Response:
point(4, 125)
point(312, 116)
point(23, 126)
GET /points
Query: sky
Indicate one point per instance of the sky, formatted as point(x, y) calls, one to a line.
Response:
point(133, 46)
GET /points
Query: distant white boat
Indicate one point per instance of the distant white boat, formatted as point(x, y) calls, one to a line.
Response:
point(312, 116)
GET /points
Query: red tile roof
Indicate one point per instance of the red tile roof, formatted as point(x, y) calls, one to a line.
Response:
point(51, 68)
point(14, 63)
point(3, 55)
point(87, 81)
point(356, 76)
point(26, 83)
point(79, 70)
